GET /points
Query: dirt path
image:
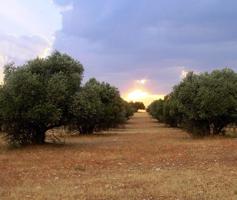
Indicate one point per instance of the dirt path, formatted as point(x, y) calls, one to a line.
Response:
point(143, 160)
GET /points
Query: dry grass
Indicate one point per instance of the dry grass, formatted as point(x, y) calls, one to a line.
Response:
point(146, 160)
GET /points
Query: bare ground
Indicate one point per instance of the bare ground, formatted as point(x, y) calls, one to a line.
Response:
point(145, 160)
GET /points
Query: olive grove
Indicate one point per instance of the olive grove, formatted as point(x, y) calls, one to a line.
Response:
point(47, 93)
point(203, 104)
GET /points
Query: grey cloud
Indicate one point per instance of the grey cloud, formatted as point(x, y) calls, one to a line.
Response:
point(151, 38)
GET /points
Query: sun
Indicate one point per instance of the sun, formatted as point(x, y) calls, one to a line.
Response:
point(142, 96)
point(137, 95)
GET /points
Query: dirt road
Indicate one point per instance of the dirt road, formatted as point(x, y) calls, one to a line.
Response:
point(143, 160)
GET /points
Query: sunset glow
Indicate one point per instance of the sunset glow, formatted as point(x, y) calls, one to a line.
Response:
point(142, 95)
point(142, 81)
point(137, 95)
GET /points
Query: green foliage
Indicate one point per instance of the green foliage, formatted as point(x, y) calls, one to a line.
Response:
point(36, 97)
point(165, 111)
point(156, 109)
point(129, 110)
point(86, 107)
point(98, 106)
point(137, 106)
point(202, 104)
point(217, 99)
point(172, 115)
point(47, 93)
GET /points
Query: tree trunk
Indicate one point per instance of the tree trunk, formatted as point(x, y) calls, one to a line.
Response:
point(217, 129)
point(40, 137)
point(87, 130)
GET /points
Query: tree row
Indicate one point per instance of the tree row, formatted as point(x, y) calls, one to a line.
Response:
point(47, 93)
point(203, 104)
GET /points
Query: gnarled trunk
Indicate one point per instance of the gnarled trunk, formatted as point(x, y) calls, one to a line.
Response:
point(217, 130)
point(87, 129)
point(40, 136)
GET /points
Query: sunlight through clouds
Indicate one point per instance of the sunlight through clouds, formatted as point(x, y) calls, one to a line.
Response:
point(141, 91)
point(183, 74)
point(143, 96)
point(137, 95)
point(142, 81)
point(149, 38)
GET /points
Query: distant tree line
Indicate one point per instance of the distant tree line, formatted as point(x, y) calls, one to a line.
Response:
point(203, 104)
point(137, 105)
point(47, 93)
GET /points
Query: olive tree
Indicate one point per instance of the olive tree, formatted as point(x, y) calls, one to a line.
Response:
point(87, 107)
point(217, 99)
point(203, 104)
point(185, 94)
point(138, 105)
point(156, 109)
point(36, 97)
point(165, 111)
point(98, 106)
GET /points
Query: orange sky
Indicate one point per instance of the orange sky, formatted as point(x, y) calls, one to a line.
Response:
point(139, 92)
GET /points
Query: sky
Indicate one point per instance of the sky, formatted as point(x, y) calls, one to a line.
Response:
point(143, 47)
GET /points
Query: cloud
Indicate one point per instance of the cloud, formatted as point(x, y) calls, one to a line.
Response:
point(183, 74)
point(142, 81)
point(21, 48)
point(124, 41)
point(27, 29)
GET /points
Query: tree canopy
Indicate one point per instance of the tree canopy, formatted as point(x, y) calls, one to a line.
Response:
point(47, 93)
point(203, 103)
point(36, 97)
point(137, 105)
point(98, 106)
